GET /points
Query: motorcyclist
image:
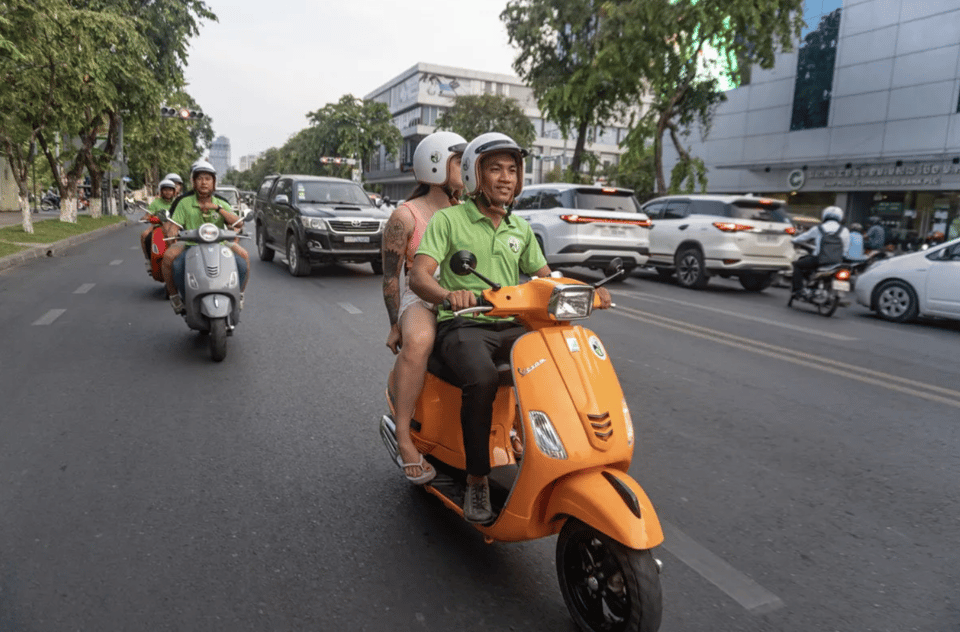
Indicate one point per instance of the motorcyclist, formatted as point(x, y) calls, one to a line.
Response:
point(876, 237)
point(158, 207)
point(954, 230)
point(830, 243)
point(190, 211)
point(177, 180)
point(492, 172)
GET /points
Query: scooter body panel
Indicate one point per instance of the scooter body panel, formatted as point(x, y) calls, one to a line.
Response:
point(210, 269)
point(158, 246)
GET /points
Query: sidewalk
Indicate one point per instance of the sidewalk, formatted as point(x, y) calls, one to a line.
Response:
point(35, 251)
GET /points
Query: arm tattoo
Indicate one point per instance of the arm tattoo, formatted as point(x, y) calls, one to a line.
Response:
point(394, 256)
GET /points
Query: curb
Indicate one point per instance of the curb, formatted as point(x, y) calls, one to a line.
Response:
point(49, 250)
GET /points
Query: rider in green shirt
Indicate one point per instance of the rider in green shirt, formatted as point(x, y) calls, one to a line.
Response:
point(159, 207)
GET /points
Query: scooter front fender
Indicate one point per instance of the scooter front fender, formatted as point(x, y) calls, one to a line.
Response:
point(609, 501)
point(215, 305)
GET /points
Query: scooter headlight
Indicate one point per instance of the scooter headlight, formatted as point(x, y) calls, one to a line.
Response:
point(208, 233)
point(629, 421)
point(570, 302)
point(546, 435)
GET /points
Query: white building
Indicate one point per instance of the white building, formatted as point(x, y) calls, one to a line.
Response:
point(220, 154)
point(871, 123)
point(247, 161)
point(417, 97)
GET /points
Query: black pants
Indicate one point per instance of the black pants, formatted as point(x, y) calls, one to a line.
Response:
point(801, 267)
point(472, 351)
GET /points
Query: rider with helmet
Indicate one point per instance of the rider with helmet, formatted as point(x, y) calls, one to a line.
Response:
point(492, 172)
point(436, 165)
point(876, 237)
point(830, 242)
point(177, 180)
point(159, 207)
point(190, 211)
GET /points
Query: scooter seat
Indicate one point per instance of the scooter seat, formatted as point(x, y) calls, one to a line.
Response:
point(437, 367)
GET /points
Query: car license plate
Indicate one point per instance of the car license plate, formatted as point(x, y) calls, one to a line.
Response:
point(356, 239)
point(841, 286)
point(613, 231)
point(767, 239)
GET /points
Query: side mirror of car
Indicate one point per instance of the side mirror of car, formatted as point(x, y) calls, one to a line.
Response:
point(281, 199)
point(463, 262)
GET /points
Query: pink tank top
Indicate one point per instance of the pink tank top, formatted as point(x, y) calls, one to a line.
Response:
point(419, 227)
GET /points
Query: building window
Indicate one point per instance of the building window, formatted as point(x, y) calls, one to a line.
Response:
point(815, 64)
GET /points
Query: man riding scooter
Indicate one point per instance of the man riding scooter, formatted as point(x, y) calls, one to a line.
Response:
point(158, 208)
point(830, 242)
point(492, 168)
point(190, 212)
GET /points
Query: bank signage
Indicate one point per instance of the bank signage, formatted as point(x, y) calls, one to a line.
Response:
point(934, 175)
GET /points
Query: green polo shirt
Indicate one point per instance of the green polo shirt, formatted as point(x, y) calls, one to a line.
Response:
point(187, 213)
point(502, 252)
point(159, 206)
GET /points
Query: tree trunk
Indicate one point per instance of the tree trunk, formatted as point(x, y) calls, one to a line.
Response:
point(658, 156)
point(578, 149)
point(24, 200)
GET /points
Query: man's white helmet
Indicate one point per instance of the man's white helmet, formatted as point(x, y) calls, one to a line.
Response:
point(174, 178)
point(432, 155)
point(832, 212)
point(202, 166)
point(489, 143)
point(167, 183)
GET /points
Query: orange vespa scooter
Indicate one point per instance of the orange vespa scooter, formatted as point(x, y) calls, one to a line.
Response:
point(561, 390)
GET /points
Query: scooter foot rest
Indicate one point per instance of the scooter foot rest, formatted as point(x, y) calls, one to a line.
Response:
point(451, 482)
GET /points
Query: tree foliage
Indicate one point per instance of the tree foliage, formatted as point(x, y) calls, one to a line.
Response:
point(563, 55)
point(472, 115)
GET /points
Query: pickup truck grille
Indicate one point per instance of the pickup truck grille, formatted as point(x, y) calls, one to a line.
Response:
point(354, 226)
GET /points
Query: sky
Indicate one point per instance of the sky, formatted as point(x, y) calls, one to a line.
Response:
point(263, 66)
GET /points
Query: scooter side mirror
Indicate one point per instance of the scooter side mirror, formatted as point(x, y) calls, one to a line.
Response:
point(463, 262)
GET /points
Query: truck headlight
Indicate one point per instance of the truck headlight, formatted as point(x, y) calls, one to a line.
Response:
point(546, 435)
point(313, 222)
point(570, 302)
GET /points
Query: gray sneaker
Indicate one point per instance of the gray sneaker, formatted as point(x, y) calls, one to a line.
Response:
point(476, 503)
point(177, 303)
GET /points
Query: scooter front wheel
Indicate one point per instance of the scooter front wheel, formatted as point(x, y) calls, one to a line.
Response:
point(218, 339)
point(606, 585)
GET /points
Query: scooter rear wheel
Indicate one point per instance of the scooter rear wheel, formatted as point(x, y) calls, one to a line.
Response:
point(829, 306)
point(606, 585)
point(218, 339)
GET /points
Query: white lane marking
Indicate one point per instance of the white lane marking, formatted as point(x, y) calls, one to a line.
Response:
point(83, 289)
point(350, 308)
point(756, 319)
point(116, 262)
point(49, 317)
point(741, 588)
point(820, 363)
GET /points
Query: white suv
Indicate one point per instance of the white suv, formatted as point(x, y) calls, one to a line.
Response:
point(584, 225)
point(695, 236)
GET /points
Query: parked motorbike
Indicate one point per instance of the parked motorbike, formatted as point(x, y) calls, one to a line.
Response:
point(825, 287)
point(158, 246)
point(210, 288)
point(50, 201)
point(560, 389)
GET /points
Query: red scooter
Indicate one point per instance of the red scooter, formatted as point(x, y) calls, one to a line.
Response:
point(158, 246)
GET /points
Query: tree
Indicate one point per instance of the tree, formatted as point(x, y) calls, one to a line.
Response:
point(351, 127)
point(562, 56)
point(664, 49)
point(472, 115)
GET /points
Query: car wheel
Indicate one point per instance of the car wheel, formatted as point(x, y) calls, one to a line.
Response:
point(377, 265)
point(264, 251)
point(756, 282)
point(295, 263)
point(896, 301)
point(690, 270)
point(540, 243)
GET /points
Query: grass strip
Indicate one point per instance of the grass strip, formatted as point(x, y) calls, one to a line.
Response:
point(49, 231)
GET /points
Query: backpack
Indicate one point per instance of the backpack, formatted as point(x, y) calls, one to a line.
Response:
point(831, 247)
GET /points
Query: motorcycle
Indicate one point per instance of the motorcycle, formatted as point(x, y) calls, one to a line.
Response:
point(50, 201)
point(825, 287)
point(158, 246)
point(210, 288)
point(560, 389)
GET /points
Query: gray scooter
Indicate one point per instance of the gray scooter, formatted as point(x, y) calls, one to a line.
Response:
point(211, 284)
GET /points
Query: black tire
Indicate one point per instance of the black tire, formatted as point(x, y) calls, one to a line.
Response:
point(828, 307)
point(606, 585)
point(377, 265)
point(540, 243)
point(756, 282)
point(218, 339)
point(295, 262)
point(896, 301)
point(264, 251)
point(690, 271)
point(665, 274)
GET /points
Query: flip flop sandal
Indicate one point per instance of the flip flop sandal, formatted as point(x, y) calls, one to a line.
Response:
point(427, 471)
point(516, 444)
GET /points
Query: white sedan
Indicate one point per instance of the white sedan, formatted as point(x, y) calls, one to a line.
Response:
point(925, 282)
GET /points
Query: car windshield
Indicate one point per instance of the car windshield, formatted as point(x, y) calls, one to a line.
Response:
point(607, 200)
point(332, 193)
point(229, 195)
point(760, 210)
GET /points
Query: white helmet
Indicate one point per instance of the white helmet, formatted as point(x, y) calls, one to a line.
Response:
point(832, 212)
point(202, 166)
point(174, 178)
point(167, 183)
point(489, 143)
point(432, 155)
